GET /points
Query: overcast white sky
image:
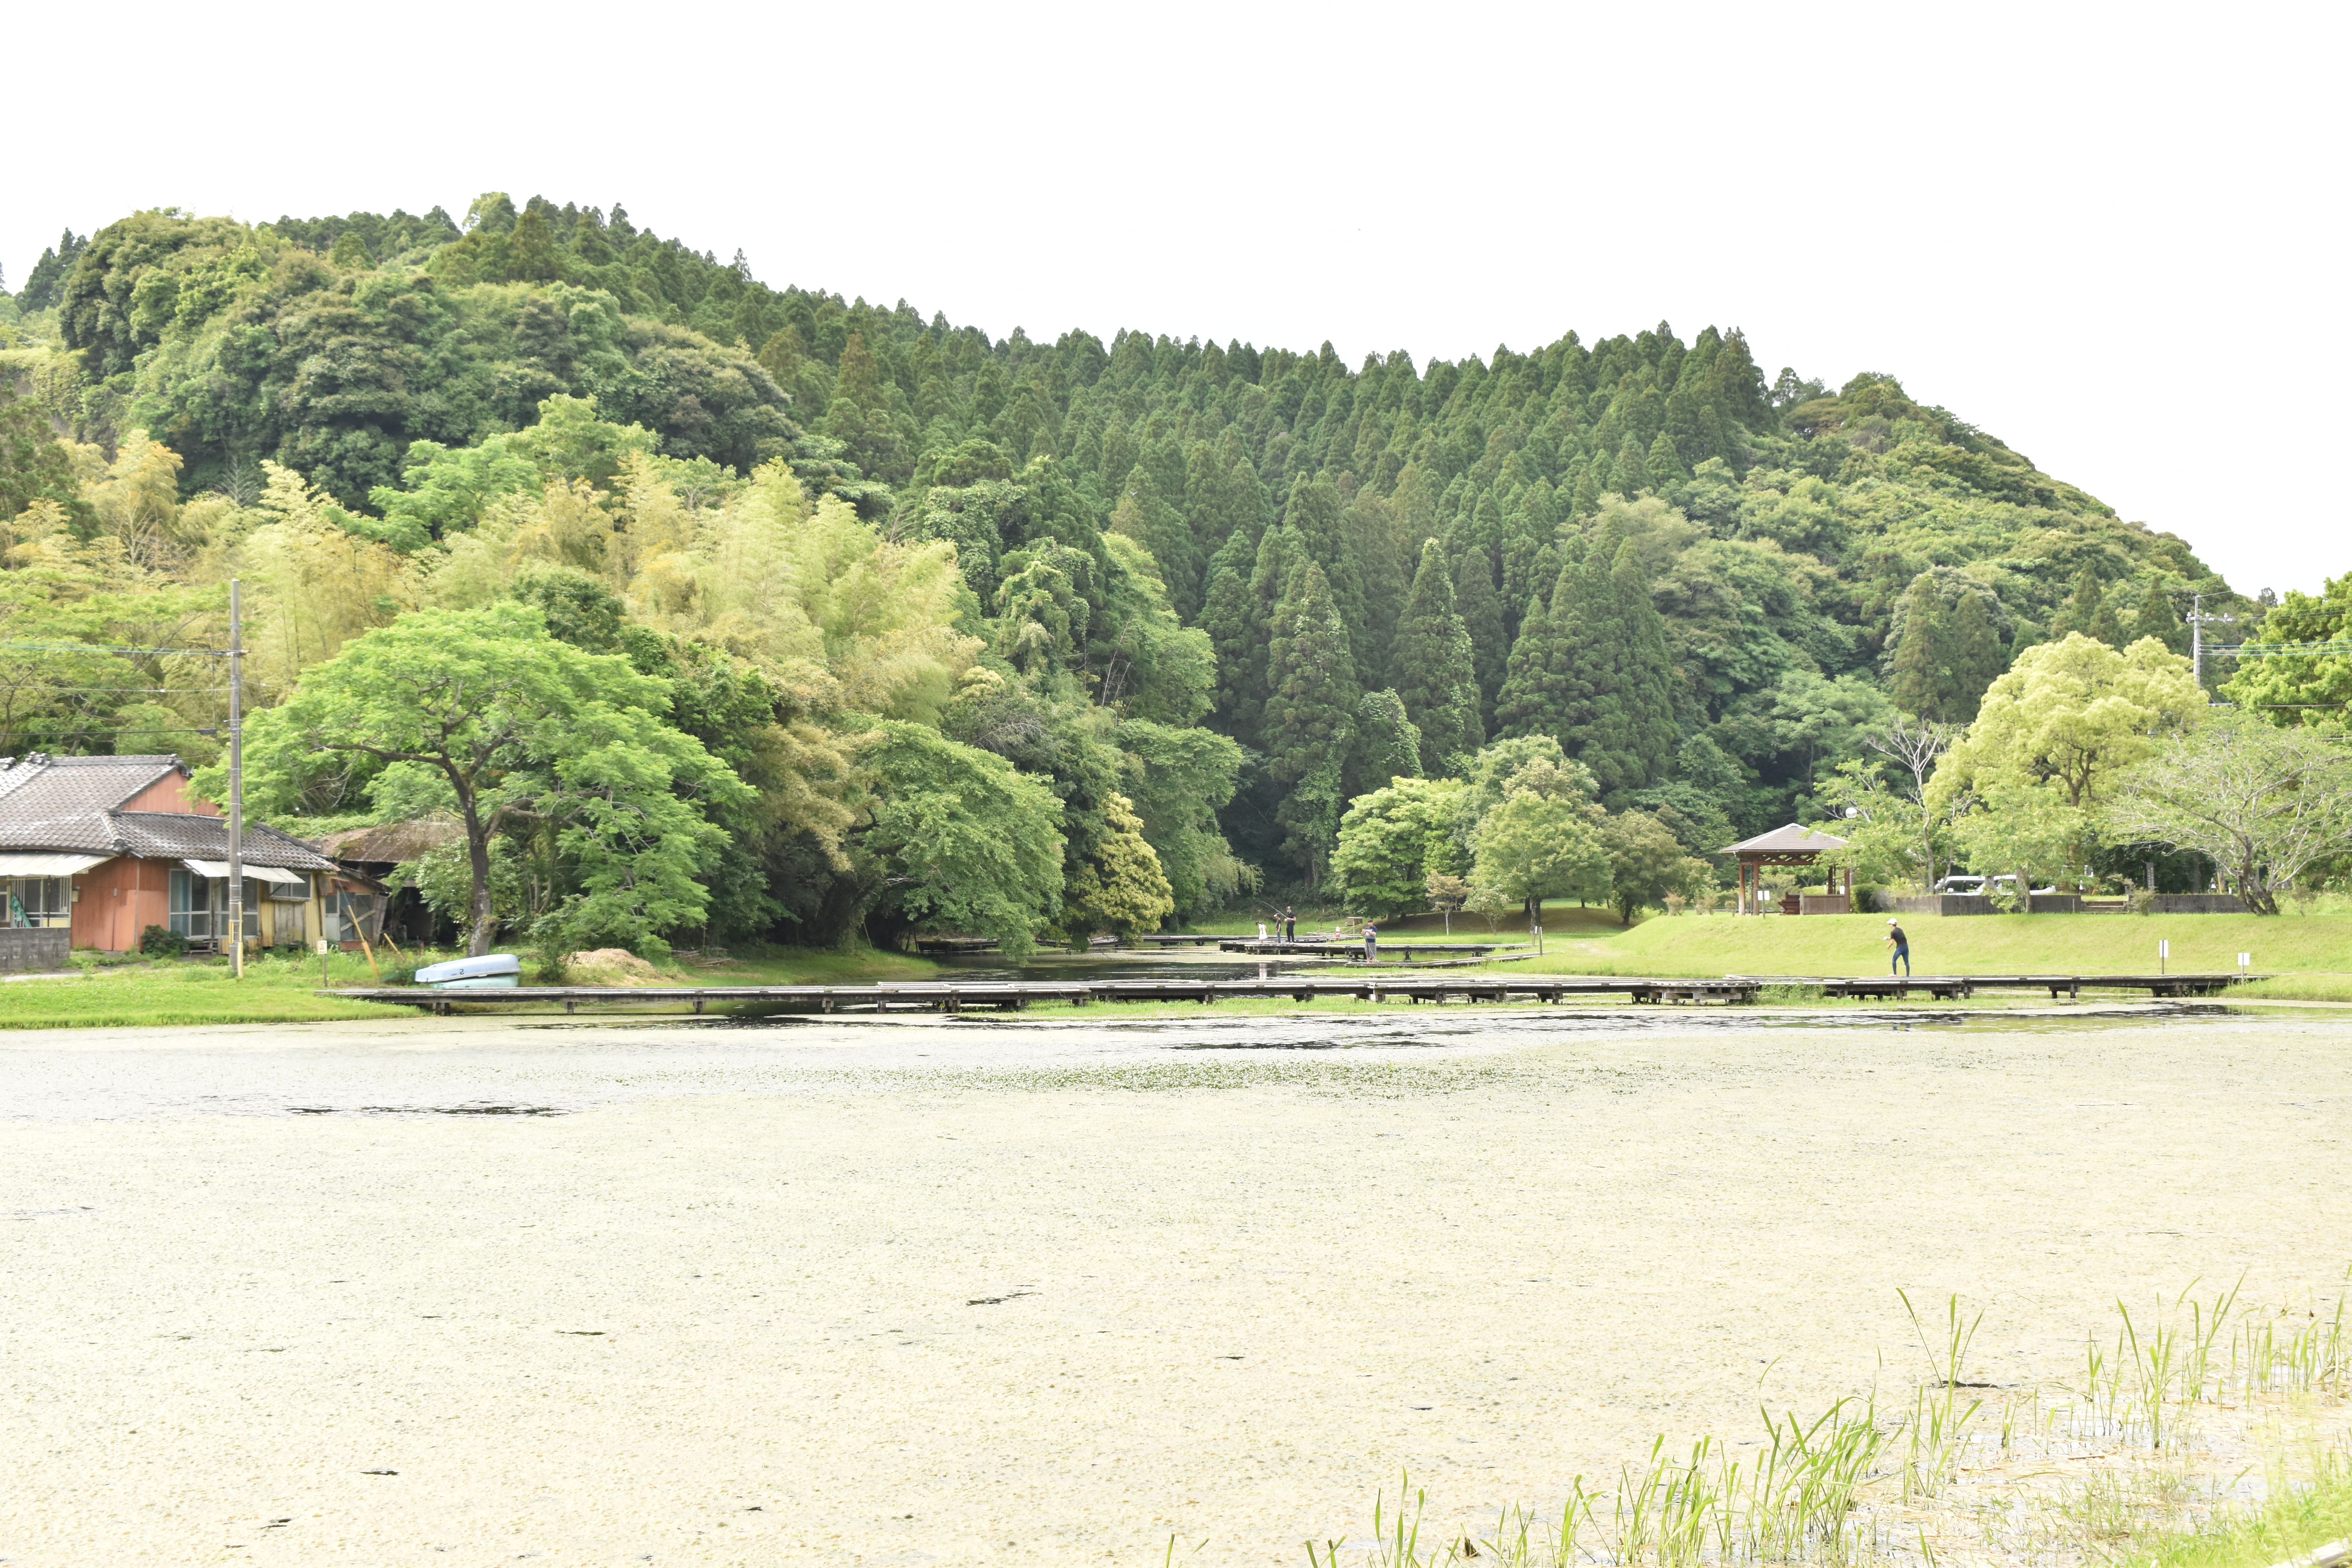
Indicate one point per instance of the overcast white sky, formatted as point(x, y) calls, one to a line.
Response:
point(2109, 234)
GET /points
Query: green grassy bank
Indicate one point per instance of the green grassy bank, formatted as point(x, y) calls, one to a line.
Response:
point(282, 990)
point(2310, 954)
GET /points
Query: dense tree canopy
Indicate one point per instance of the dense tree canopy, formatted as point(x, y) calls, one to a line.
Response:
point(1202, 595)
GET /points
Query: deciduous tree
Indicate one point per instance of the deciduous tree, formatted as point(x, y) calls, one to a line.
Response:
point(2261, 803)
point(483, 715)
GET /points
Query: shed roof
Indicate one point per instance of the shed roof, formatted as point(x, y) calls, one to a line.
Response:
point(1787, 839)
point(390, 842)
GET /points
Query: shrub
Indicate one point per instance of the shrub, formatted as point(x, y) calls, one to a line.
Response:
point(161, 942)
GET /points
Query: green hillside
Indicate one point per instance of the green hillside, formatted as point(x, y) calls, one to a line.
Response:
point(1213, 591)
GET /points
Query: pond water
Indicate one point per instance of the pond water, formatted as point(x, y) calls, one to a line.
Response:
point(537, 1065)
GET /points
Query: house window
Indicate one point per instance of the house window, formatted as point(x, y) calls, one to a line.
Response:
point(353, 916)
point(39, 902)
point(194, 902)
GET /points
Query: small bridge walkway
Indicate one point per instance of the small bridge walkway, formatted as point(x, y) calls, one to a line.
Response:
point(1946, 987)
point(1339, 947)
point(1013, 995)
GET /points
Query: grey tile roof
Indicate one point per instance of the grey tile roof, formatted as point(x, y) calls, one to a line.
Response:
point(60, 803)
point(72, 802)
point(183, 836)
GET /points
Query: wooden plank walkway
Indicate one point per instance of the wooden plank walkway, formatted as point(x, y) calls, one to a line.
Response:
point(2071, 986)
point(1342, 949)
point(1011, 996)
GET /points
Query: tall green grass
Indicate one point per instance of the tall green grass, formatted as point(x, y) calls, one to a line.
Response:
point(1864, 1482)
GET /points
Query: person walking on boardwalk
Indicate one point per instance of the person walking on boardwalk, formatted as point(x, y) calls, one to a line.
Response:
point(1902, 946)
point(1372, 942)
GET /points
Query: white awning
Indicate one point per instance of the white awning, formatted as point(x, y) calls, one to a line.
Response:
point(260, 873)
point(50, 865)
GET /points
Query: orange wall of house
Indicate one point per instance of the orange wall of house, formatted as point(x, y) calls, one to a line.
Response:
point(169, 792)
point(120, 899)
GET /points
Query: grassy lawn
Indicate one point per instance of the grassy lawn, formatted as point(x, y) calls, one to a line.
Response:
point(2311, 953)
point(282, 990)
point(183, 992)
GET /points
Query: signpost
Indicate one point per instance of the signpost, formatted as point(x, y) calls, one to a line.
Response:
point(2163, 951)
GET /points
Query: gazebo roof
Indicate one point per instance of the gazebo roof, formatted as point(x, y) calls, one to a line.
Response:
point(1789, 840)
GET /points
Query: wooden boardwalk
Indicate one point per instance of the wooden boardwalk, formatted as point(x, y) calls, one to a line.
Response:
point(1339, 948)
point(1946, 987)
point(1013, 995)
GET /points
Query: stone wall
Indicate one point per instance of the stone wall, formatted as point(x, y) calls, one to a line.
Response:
point(1978, 904)
point(43, 947)
point(2068, 903)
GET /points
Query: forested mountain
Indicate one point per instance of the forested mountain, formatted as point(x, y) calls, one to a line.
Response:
point(1214, 591)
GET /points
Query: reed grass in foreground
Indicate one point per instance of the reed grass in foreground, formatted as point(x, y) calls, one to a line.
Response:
point(2292, 1522)
point(2142, 1459)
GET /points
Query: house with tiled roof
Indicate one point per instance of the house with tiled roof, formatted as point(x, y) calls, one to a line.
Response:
point(105, 847)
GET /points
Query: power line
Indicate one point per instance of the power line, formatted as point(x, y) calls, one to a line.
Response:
point(95, 727)
point(92, 647)
point(154, 690)
point(2287, 650)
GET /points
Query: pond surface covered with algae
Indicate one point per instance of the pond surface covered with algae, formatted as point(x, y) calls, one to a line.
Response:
point(544, 1066)
point(1021, 1290)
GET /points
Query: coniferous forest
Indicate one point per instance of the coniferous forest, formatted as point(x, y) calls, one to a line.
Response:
point(872, 622)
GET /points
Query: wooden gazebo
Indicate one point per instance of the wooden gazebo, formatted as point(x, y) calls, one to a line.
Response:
point(1790, 846)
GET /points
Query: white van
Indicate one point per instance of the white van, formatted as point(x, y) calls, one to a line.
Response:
point(1966, 884)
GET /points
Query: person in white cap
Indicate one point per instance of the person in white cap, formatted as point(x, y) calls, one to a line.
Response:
point(1902, 946)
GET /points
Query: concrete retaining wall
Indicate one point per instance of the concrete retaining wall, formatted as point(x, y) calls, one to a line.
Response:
point(44, 947)
point(2070, 903)
point(1978, 904)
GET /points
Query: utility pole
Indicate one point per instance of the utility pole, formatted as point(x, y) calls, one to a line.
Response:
point(2196, 619)
point(236, 782)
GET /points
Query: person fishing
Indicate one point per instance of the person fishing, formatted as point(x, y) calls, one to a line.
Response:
point(1289, 923)
point(1372, 942)
point(1902, 946)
